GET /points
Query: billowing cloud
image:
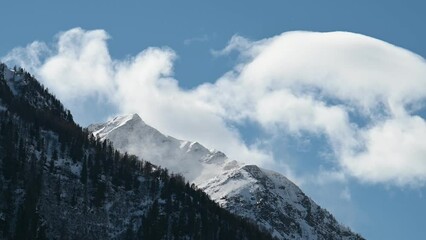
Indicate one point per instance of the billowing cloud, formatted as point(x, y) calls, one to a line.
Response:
point(358, 92)
point(325, 83)
point(80, 65)
point(79, 70)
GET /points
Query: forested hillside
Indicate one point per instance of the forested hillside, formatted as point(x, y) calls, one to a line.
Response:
point(56, 182)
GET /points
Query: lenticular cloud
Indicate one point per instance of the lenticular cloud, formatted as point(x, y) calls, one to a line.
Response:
point(323, 83)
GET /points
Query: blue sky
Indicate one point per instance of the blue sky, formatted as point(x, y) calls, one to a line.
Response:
point(190, 51)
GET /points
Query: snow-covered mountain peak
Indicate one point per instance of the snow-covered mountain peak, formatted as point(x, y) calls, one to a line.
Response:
point(266, 197)
point(135, 118)
point(131, 134)
point(101, 130)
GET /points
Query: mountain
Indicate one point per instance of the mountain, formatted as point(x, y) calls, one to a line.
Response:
point(262, 196)
point(58, 182)
point(131, 134)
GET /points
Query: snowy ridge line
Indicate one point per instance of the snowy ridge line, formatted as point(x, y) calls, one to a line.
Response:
point(263, 196)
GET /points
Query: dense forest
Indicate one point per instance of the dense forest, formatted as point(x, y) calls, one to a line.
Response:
point(58, 182)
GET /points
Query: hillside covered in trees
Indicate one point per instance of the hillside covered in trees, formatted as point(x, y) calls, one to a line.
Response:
point(57, 182)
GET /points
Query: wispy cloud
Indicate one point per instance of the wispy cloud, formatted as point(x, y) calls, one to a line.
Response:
point(199, 39)
point(29, 57)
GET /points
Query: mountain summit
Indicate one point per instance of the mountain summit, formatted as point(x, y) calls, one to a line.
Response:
point(131, 134)
point(262, 196)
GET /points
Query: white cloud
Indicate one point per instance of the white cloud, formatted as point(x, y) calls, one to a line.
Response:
point(293, 84)
point(79, 68)
point(313, 82)
point(394, 152)
point(81, 65)
point(237, 43)
point(29, 57)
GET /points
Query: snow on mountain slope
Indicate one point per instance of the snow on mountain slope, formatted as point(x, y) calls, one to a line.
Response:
point(132, 135)
point(266, 197)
